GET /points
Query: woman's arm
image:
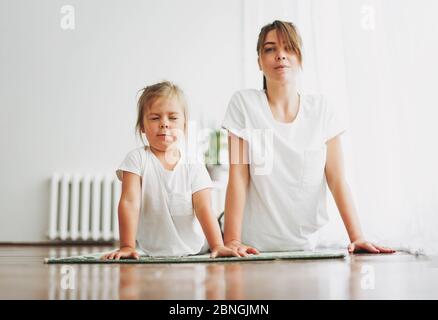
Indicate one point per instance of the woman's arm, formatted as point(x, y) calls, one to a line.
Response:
point(235, 198)
point(210, 226)
point(129, 210)
point(335, 175)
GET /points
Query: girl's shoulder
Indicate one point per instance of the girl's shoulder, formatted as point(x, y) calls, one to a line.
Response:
point(138, 152)
point(138, 156)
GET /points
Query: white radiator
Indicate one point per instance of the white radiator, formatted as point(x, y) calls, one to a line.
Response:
point(84, 207)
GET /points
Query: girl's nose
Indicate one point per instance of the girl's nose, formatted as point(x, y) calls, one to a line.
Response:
point(164, 125)
point(281, 57)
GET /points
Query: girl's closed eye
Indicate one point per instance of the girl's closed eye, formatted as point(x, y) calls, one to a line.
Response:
point(269, 49)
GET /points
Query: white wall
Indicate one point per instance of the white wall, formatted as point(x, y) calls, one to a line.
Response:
point(68, 97)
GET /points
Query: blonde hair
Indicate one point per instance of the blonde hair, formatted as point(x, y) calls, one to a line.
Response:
point(286, 31)
point(150, 94)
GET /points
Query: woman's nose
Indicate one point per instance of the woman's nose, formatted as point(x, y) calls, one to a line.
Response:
point(164, 125)
point(281, 57)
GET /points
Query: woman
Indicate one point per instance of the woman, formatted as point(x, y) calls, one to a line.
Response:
point(284, 146)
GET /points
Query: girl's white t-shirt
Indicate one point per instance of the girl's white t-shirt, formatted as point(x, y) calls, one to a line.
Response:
point(167, 224)
point(286, 196)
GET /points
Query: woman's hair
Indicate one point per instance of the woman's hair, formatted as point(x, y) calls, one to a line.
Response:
point(286, 31)
point(150, 94)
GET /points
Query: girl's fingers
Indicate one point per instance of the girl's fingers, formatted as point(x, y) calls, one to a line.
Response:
point(229, 253)
point(116, 255)
point(351, 247)
point(213, 254)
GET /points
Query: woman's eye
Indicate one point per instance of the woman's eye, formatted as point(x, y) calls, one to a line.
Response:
point(154, 118)
point(173, 118)
point(269, 50)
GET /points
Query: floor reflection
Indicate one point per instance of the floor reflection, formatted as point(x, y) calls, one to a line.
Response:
point(356, 277)
point(188, 281)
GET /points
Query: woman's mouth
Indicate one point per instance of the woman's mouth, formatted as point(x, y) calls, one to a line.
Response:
point(164, 137)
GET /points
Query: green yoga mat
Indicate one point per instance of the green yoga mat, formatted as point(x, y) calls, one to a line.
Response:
point(95, 258)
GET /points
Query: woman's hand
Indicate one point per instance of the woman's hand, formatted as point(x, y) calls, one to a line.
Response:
point(242, 250)
point(362, 246)
point(223, 251)
point(124, 253)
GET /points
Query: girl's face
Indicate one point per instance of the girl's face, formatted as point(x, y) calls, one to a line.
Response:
point(163, 123)
point(278, 62)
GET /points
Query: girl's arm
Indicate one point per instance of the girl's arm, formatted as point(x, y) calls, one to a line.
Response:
point(129, 209)
point(335, 175)
point(236, 195)
point(210, 226)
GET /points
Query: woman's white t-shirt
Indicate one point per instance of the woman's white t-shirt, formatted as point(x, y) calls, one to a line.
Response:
point(167, 224)
point(286, 196)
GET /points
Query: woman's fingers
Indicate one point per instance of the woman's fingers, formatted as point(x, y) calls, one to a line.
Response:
point(385, 250)
point(252, 250)
point(363, 246)
point(213, 254)
point(235, 254)
point(242, 252)
point(370, 247)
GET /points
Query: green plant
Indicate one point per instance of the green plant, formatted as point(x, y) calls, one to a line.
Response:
point(217, 143)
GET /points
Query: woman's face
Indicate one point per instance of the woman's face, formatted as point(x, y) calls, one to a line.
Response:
point(164, 123)
point(278, 62)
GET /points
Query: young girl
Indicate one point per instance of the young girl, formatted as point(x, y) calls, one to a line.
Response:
point(161, 189)
point(284, 148)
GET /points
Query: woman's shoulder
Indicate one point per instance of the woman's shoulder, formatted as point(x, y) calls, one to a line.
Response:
point(246, 94)
point(246, 99)
point(315, 104)
point(313, 98)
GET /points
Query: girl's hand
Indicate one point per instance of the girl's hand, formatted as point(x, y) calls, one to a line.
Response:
point(363, 246)
point(241, 249)
point(124, 253)
point(222, 251)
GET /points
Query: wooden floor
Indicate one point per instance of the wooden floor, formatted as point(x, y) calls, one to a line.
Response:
point(23, 275)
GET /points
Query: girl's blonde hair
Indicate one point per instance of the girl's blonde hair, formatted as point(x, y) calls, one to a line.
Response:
point(150, 94)
point(286, 31)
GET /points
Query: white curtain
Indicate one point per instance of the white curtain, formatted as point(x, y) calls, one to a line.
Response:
point(375, 60)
